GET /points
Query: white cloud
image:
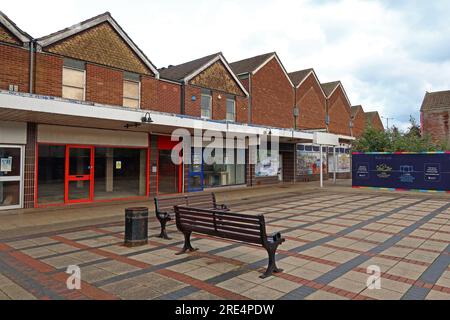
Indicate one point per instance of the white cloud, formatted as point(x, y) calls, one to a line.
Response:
point(386, 53)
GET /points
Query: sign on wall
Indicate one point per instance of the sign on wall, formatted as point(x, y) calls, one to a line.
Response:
point(424, 171)
point(267, 166)
point(308, 160)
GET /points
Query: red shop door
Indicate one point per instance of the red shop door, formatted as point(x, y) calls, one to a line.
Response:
point(79, 174)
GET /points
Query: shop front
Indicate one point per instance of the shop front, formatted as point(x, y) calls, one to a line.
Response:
point(76, 165)
point(169, 174)
point(212, 170)
point(12, 146)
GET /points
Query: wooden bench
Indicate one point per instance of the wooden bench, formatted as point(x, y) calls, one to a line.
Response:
point(164, 206)
point(235, 226)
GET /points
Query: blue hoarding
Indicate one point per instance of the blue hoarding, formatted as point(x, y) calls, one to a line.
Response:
point(423, 171)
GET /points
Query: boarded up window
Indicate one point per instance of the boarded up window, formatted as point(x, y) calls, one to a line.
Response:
point(73, 83)
point(131, 95)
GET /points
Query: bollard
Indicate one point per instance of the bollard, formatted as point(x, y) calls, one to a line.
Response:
point(136, 226)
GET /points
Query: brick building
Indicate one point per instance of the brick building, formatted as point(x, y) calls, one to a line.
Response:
point(373, 118)
point(435, 114)
point(310, 100)
point(87, 117)
point(358, 121)
point(338, 108)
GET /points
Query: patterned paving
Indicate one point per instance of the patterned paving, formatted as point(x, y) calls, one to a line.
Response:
point(331, 240)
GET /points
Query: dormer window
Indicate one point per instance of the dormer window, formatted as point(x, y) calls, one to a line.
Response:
point(73, 80)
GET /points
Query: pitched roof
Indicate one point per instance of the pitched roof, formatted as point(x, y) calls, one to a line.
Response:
point(298, 76)
point(181, 71)
point(92, 22)
point(435, 100)
point(329, 87)
point(356, 109)
point(186, 71)
point(250, 64)
point(14, 29)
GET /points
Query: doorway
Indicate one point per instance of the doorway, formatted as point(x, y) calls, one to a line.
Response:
point(79, 174)
point(11, 176)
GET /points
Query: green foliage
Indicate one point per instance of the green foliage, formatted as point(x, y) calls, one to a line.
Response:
point(394, 140)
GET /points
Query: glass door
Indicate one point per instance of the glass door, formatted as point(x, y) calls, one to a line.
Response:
point(196, 175)
point(79, 174)
point(11, 177)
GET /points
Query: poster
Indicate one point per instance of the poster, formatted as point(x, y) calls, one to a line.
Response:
point(268, 166)
point(6, 164)
point(422, 171)
point(343, 162)
point(118, 165)
point(308, 161)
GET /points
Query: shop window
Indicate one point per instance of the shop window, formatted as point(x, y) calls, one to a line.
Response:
point(131, 94)
point(206, 106)
point(231, 109)
point(73, 83)
point(51, 174)
point(225, 171)
point(120, 173)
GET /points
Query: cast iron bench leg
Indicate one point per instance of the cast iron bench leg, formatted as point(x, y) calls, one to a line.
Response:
point(163, 234)
point(272, 267)
point(187, 244)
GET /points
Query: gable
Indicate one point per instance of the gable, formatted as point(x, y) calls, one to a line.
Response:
point(217, 77)
point(339, 95)
point(6, 36)
point(100, 44)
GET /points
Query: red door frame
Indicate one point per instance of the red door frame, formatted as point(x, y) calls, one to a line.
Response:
point(165, 143)
point(88, 177)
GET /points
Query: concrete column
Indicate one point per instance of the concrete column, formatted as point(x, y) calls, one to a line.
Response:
point(109, 174)
point(142, 172)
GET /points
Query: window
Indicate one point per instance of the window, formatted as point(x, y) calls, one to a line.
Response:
point(206, 106)
point(231, 109)
point(131, 94)
point(73, 83)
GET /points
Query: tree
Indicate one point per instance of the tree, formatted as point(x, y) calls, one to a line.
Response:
point(394, 140)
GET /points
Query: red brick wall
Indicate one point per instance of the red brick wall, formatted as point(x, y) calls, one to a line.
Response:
point(149, 93)
point(192, 108)
point(219, 106)
point(272, 97)
point(14, 67)
point(312, 104)
point(169, 97)
point(436, 124)
point(339, 113)
point(242, 109)
point(104, 85)
point(48, 75)
point(359, 124)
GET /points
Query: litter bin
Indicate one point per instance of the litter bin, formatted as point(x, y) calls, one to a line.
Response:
point(136, 226)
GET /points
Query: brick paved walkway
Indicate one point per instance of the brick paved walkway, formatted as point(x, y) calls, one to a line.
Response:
point(332, 238)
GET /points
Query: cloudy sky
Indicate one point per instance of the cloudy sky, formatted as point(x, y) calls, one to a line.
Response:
point(387, 53)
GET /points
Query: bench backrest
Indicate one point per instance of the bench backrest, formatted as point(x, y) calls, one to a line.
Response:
point(234, 226)
point(166, 204)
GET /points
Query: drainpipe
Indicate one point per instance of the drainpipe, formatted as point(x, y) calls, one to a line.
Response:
point(31, 80)
point(183, 94)
point(249, 98)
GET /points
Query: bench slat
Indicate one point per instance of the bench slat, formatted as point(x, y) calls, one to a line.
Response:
point(223, 234)
point(218, 227)
point(220, 221)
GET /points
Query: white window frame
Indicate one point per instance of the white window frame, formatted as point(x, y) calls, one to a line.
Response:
point(139, 93)
point(234, 110)
point(16, 178)
point(210, 106)
point(84, 82)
